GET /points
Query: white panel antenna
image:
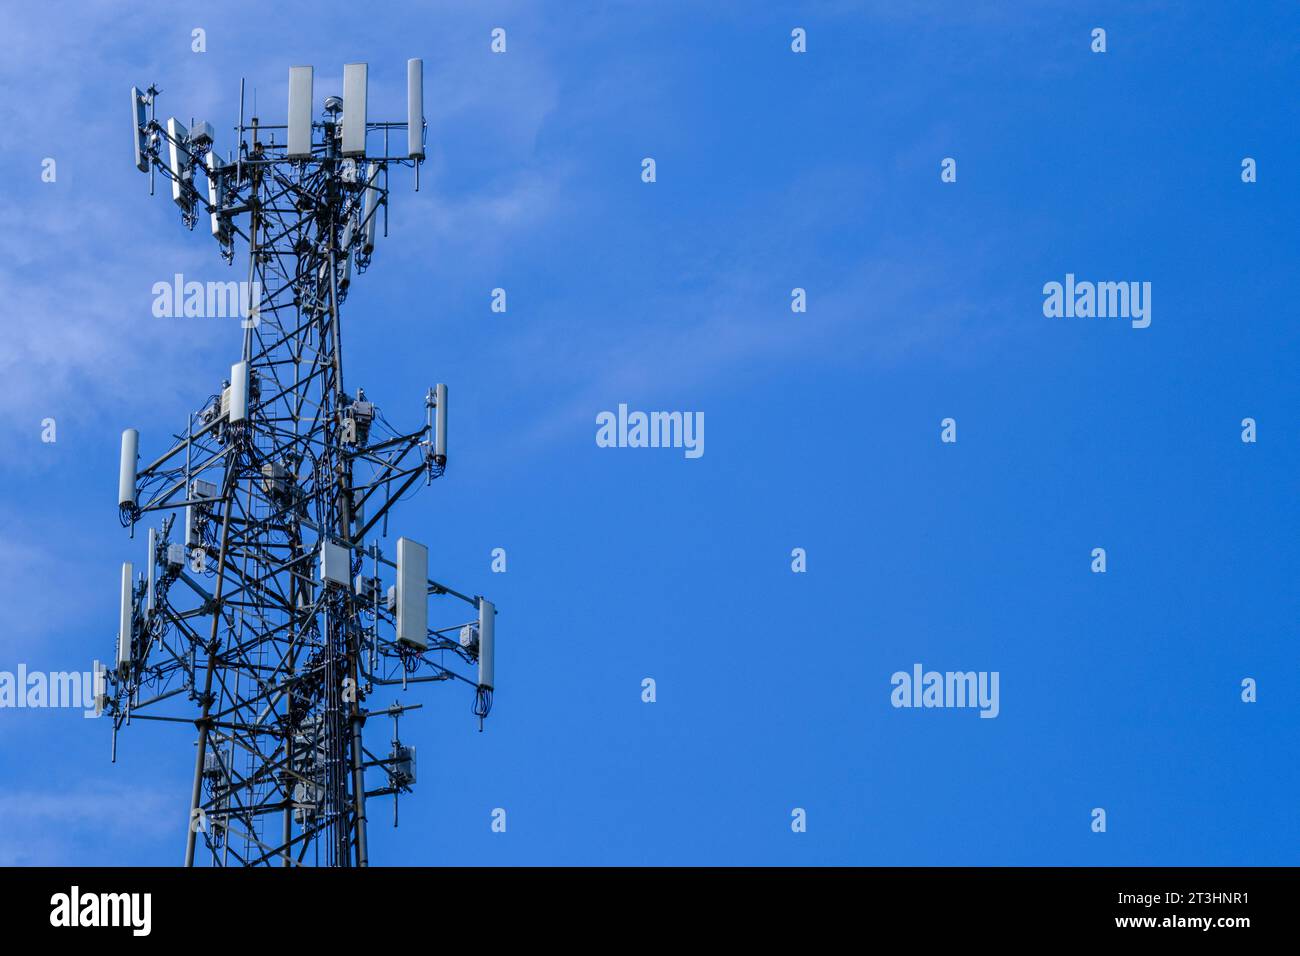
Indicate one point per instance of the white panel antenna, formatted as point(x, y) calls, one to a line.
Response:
point(220, 222)
point(124, 618)
point(300, 105)
point(140, 119)
point(370, 211)
point(415, 108)
point(349, 233)
point(192, 537)
point(126, 468)
point(178, 162)
point(440, 427)
point(238, 392)
point(412, 594)
point(151, 571)
point(487, 625)
point(354, 109)
point(345, 273)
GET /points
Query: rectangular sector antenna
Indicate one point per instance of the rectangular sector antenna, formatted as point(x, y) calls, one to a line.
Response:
point(412, 593)
point(151, 571)
point(370, 210)
point(178, 161)
point(345, 280)
point(440, 424)
point(124, 618)
point(139, 119)
point(300, 93)
point(216, 173)
point(354, 109)
point(238, 392)
point(487, 627)
point(415, 108)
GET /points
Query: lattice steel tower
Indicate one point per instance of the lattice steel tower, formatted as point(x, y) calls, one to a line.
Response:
point(263, 605)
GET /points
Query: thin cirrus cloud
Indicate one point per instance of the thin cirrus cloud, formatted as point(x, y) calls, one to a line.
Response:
point(59, 825)
point(81, 270)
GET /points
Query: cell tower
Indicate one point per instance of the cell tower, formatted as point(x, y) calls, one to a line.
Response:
point(262, 614)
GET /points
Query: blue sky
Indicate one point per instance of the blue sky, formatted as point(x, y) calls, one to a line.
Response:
point(775, 170)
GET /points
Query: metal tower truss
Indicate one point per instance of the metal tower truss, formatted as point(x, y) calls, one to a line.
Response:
point(262, 615)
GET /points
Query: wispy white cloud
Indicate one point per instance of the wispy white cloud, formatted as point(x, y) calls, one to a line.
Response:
point(52, 827)
point(76, 274)
point(724, 319)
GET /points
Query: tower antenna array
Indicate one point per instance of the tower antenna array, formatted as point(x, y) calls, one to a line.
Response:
point(263, 613)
